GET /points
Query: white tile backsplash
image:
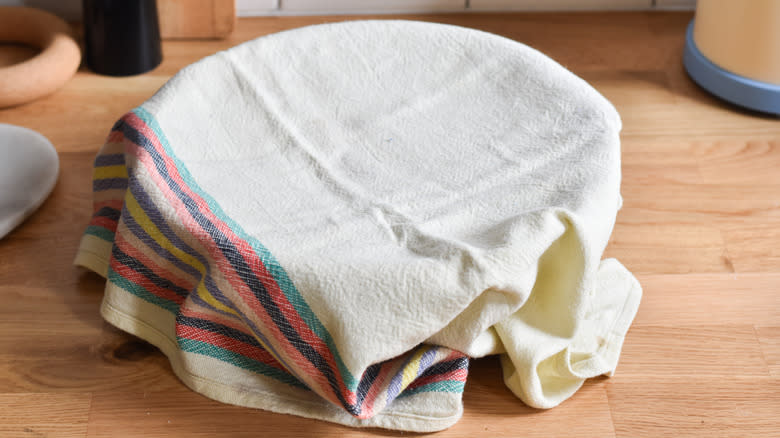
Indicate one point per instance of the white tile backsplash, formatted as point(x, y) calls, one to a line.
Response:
point(558, 5)
point(349, 6)
point(256, 7)
point(71, 9)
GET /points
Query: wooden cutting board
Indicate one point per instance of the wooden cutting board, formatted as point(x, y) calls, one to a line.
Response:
point(196, 19)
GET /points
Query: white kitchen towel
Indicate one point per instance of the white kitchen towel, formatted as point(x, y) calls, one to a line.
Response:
point(328, 221)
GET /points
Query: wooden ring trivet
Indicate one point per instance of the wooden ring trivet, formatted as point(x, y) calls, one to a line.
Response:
point(44, 73)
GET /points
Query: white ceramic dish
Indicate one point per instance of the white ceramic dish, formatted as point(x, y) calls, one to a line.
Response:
point(28, 171)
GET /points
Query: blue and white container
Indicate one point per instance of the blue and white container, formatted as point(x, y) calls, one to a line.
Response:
point(732, 50)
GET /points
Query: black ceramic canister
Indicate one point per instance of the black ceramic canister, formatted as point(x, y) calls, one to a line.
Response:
point(122, 37)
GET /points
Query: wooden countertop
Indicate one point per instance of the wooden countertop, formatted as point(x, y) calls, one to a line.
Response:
point(700, 228)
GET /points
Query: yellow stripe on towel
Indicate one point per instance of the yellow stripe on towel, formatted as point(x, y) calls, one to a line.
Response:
point(103, 172)
point(413, 367)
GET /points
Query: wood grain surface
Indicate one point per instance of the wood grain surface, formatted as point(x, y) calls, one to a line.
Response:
point(194, 19)
point(700, 227)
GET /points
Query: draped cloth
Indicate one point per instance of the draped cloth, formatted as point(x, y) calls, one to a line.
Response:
point(330, 221)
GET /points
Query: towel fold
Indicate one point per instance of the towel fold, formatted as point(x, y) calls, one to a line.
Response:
point(329, 221)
